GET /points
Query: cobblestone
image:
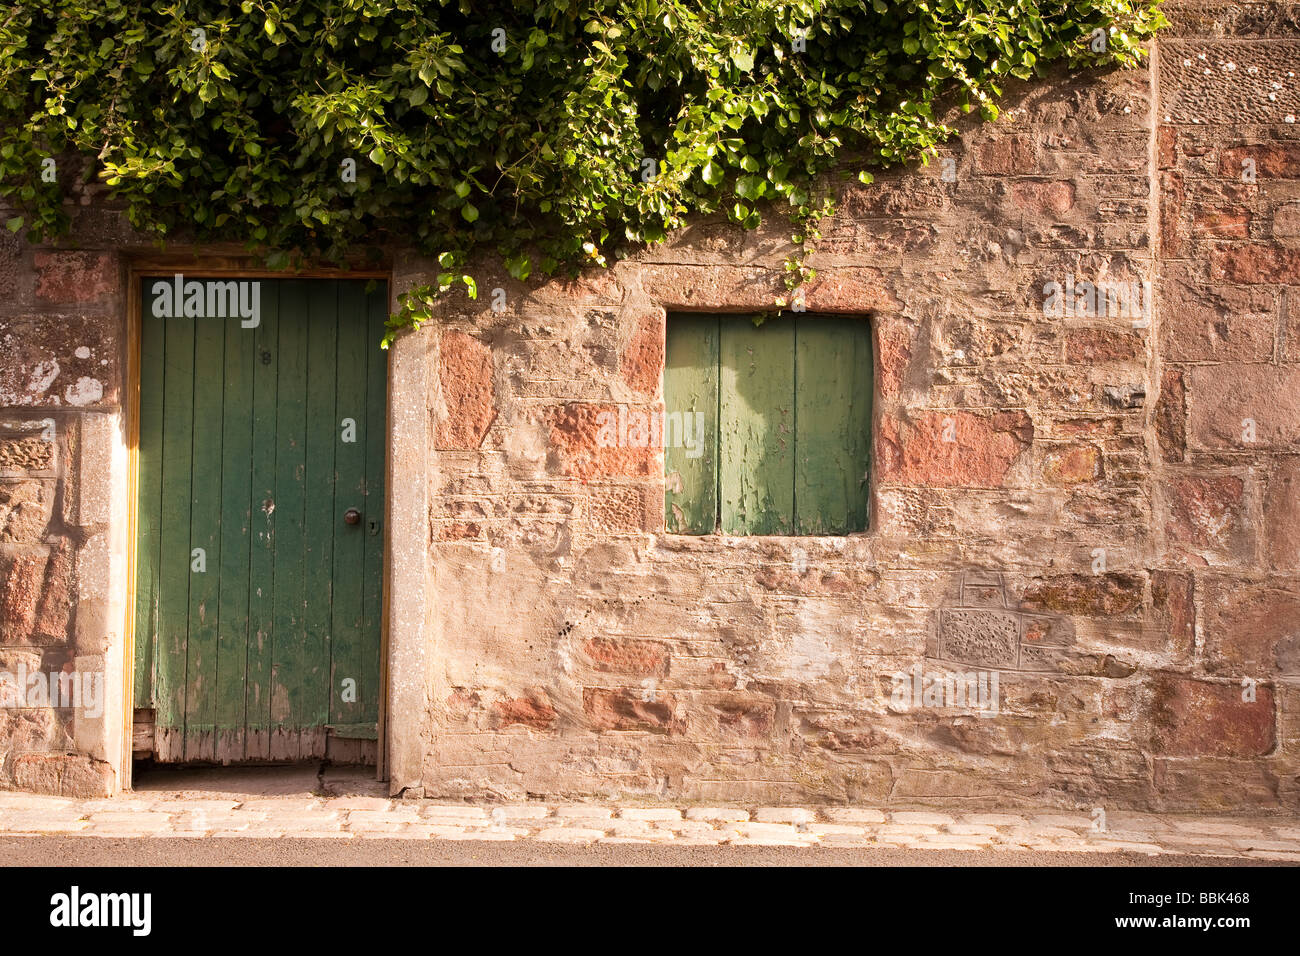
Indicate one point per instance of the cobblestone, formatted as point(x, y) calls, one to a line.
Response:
point(367, 817)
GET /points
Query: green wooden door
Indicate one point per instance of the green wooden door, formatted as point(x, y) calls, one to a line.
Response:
point(257, 617)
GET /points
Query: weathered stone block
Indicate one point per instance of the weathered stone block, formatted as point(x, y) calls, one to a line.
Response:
point(1255, 264)
point(630, 709)
point(1279, 160)
point(1282, 515)
point(1219, 323)
point(76, 279)
point(621, 509)
point(1171, 416)
point(533, 711)
point(1093, 346)
point(1006, 156)
point(1208, 512)
point(638, 658)
point(1173, 609)
point(586, 443)
point(955, 449)
point(1251, 630)
point(1094, 595)
point(65, 775)
point(25, 510)
point(642, 361)
point(467, 394)
point(1243, 406)
point(1072, 464)
point(1050, 198)
point(1192, 717)
point(53, 360)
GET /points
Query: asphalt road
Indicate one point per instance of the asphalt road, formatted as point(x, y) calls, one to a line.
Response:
point(66, 851)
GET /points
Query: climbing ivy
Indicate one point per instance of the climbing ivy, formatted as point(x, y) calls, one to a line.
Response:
point(556, 134)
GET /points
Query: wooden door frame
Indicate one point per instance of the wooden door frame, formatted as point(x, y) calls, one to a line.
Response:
point(234, 267)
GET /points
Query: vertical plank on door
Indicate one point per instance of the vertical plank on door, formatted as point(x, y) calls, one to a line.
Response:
point(756, 425)
point(347, 645)
point(289, 600)
point(833, 410)
point(372, 521)
point(691, 413)
point(319, 518)
point(174, 546)
point(262, 508)
point(149, 504)
point(233, 611)
point(205, 537)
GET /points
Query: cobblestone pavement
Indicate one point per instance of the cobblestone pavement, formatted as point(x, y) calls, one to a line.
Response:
point(160, 814)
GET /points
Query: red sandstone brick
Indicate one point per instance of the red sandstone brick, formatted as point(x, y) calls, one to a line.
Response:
point(894, 351)
point(1272, 160)
point(1192, 718)
point(1044, 198)
point(1221, 224)
point(1282, 516)
point(460, 531)
point(76, 278)
point(1174, 609)
point(849, 290)
point(1166, 146)
point(1103, 345)
point(642, 362)
point(50, 625)
point(641, 658)
point(468, 397)
point(629, 708)
point(22, 576)
point(534, 711)
point(1171, 213)
point(586, 447)
point(1171, 416)
point(1072, 465)
point(1006, 156)
point(1205, 511)
point(979, 455)
point(1251, 630)
point(1255, 263)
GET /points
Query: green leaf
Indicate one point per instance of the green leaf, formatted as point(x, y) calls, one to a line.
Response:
point(469, 212)
point(712, 173)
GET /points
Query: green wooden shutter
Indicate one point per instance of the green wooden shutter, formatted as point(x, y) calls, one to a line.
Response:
point(691, 389)
point(756, 458)
point(833, 368)
point(787, 415)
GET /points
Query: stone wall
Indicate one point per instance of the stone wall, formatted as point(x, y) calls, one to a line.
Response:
point(1097, 532)
point(1113, 528)
point(62, 514)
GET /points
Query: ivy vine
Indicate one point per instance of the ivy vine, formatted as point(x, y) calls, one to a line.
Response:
point(556, 134)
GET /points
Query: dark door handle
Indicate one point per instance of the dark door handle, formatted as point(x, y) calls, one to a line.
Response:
point(352, 516)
